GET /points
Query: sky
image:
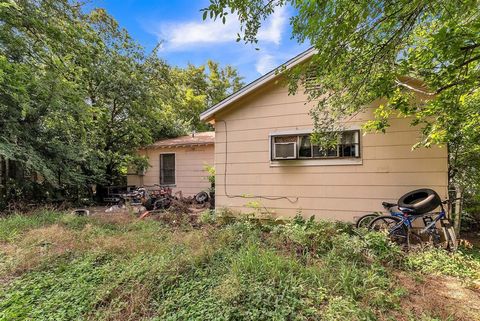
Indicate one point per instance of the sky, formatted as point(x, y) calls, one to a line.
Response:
point(186, 38)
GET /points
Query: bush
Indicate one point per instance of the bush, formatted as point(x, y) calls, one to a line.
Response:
point(208, 217)
point(439, 262)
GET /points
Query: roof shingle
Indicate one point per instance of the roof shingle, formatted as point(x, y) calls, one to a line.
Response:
point(205, 138)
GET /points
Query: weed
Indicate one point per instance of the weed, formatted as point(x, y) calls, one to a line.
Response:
point(208, 217)
point(115, 267)
point(13, 225)
point(438, 262)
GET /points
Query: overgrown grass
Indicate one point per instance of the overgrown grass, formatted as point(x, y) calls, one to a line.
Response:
point(438, 262)
point(16, 224)
point(115, 267)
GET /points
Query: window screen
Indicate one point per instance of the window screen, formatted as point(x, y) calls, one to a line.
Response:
point(167, 169)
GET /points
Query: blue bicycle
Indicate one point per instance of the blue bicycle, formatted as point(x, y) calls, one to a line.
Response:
point(436, 229)
point(365, 220)
point(400, 225)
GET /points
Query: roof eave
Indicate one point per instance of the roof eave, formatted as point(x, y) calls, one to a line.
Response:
point(209, 114)
point(178, 145)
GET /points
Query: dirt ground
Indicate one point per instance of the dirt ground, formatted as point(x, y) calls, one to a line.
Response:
point(447, 297)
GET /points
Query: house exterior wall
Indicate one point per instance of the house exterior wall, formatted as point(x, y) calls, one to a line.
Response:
point(387, 169)
point(190, 174)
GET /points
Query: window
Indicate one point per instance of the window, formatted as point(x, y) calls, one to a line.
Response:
point(301, 147)
point(167, 169)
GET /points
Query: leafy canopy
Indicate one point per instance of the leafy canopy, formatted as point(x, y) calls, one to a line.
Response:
point(78, 95)
point(368, 49)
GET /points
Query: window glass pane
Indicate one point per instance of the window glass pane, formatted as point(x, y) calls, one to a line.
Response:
point(317, 152)
point(347, 150)
point(305, 149)
point(322, 152)
point(286, 139)
point(349, 138)
point(332, 152)
point(167, 169)
point(349, 144)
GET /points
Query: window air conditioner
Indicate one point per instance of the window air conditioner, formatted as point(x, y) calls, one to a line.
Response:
point(287, 150)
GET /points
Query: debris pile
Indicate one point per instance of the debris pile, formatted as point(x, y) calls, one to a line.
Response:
point(157, 202)
point(180, 207)
point(116, 209)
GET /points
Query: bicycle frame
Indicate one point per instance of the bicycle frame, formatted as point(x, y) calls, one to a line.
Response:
point(408, 219)
point(405, 218)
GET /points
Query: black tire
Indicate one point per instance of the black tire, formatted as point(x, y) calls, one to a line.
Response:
point(393, 227)
point(149, 204)
point(201, 197)
point(421, 201)
point(365, 220)
point(162, 203)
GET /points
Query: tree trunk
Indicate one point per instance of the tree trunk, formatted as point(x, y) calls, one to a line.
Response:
point(458, 210)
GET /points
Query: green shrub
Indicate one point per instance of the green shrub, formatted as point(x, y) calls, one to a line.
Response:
point(380, 248)
point(439, 262)
point(207, 217)
point(308, 236)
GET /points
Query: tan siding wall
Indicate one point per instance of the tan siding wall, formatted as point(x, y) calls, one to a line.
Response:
point(190, 174)
point(389, 166)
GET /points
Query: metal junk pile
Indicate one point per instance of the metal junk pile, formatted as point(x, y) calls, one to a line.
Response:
point(161, 198)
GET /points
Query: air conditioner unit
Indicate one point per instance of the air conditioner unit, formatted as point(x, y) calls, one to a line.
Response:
point(287, 150)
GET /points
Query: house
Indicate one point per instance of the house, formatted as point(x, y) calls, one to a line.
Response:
point(263, 154)
point(178, 163)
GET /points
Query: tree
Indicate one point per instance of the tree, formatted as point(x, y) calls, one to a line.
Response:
point(125, 98)
point(41, 104)
point(366, 48)
point(197, 88)
point(79, 96)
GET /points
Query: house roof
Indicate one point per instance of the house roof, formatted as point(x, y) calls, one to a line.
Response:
point(205, 138)
point(407, 82)
point(209, 113)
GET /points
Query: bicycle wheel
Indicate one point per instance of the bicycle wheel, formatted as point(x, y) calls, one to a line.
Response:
point(392, 226)
point(449, 234)
point(365, 220)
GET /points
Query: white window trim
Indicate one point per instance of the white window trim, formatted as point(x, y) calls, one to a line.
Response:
point(160, 170)
point(313, 162)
